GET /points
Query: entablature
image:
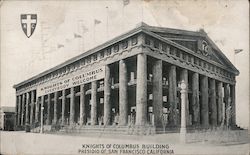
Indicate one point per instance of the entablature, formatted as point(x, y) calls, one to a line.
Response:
point(124, 45)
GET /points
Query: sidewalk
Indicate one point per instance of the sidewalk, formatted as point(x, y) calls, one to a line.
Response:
point(34, 143)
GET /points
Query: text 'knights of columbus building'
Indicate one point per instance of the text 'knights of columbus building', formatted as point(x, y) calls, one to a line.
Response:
point(133, 84)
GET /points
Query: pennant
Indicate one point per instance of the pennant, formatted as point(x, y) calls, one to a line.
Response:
point(125, 2)
point(77, 35)
point(238, 51)
point(97, 21)
point(60, 45)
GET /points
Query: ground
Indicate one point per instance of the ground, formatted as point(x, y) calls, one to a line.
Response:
point(19, 142)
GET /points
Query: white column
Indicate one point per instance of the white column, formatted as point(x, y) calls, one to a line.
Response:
point(183, 130)
point(141, 90)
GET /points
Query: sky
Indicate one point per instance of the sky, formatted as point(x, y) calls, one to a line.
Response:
point(53, 42)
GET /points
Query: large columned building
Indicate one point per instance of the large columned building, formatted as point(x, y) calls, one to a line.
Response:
point(134, 80)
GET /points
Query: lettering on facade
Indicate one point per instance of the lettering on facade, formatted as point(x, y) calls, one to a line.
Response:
point(71, 80)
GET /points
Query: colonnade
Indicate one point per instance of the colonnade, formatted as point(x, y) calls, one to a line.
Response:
point(207, 103)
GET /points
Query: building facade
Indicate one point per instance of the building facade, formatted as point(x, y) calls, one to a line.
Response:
point(7, 118)
point(134, 80)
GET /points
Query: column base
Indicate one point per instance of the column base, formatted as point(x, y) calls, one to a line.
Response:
point(183, 135)
point(142, 130)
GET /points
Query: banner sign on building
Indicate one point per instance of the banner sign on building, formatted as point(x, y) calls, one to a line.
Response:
point(71, 80)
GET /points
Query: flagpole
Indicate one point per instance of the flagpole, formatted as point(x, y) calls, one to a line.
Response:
point(107, 32)
point(125, 3)
point(123, 17)
point(94, 33)
point(81, 39)
point(83, 46)
point(42, 38)
point(142, 11)
point(79, 42)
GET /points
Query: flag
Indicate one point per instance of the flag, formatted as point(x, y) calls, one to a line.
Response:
point(125, 2)
point(60, 45)
point(236, 51)
point(97, 21)
point(77, 35)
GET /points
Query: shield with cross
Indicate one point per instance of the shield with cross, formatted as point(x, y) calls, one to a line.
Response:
point(28, 22)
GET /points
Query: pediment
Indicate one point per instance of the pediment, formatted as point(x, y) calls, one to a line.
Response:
point(196, 41)
point(197, 44)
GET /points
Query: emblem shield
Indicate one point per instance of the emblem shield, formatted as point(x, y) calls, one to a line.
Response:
point(28, 23)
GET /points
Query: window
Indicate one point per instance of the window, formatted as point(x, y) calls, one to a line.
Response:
point(172, 51)
point(208, 66)
point(178, 53)
point(164, 48)
point(200, 63)
point(156, 44)
point(195, 61)
point(88, 59)
point(184, 56)
point(189, 58)
point(83, 62)
point(95, 57)
point(147, 41)
point(102, 54)
point(77, 64)
point(108, 51)
point(134, 40)
point(125, 44)
point(116, 48)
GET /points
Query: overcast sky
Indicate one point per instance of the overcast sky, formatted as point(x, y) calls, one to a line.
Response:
point(226, 22)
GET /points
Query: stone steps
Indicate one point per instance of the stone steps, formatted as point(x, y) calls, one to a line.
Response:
point(219, 136)
point(124, 130)
point(96, 129)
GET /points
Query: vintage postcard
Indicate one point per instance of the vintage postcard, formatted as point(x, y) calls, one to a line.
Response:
point(124, 77)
